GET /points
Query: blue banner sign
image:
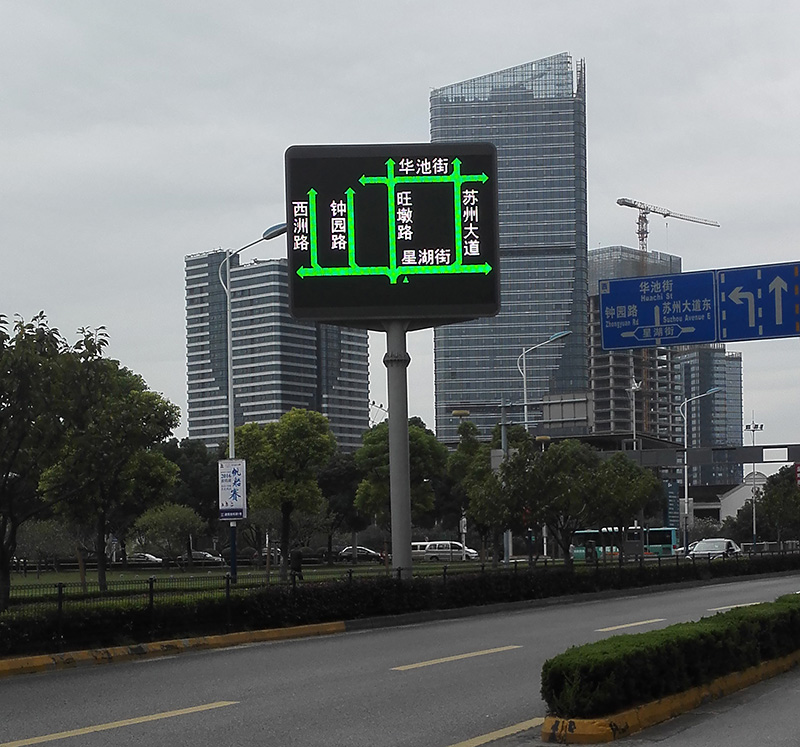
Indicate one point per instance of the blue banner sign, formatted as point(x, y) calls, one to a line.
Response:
point(758, 303)
point(658, 310)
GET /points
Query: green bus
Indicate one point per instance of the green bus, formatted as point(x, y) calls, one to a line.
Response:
point(597, 544)
point(593, 544)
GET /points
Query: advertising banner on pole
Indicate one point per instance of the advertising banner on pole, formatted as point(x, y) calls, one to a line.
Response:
point(232, 489)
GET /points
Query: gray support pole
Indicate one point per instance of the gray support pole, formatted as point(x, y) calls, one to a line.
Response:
point(396, 361)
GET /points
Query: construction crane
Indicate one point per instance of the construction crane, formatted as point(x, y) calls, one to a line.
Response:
point(644, 209)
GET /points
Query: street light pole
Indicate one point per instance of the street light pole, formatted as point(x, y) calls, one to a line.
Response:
point(635, 387)
point(752, 426)
point(270, 233)
point(523, 369)
point(683, 411)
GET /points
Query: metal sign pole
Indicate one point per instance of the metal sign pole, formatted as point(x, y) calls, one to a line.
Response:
point(396, 361)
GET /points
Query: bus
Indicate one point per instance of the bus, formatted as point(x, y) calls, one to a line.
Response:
point(602, 543)
point(593, 544)
point(657, 540)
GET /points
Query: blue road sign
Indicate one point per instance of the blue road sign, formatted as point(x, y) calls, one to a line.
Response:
point(658, 310)
point(758, 303)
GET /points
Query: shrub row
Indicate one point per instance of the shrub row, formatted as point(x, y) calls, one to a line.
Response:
point(603, 678)
point(111, 620)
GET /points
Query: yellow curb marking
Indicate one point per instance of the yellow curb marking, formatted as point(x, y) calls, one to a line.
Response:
point(500, 733)
point(430, 663)
point(733, 606)
point(619, 627)
point(118, 724)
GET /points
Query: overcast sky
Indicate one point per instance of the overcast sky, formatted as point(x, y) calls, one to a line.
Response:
point(134, 133)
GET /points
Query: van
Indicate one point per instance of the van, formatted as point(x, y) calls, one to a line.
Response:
point(418, 550)
point(445, 551)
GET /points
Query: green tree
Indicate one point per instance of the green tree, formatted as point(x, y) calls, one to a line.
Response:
point(739, 528)
point(103, 463)
point(283, 461)
point(197, 484)
point(625, 490)
point(41, 539)
point(40, 400)
point(778, 506)
point(427, 462)
point(468, 462)
point(338, 481)
point(556, 487)
point(474, 489)
point(167, 528)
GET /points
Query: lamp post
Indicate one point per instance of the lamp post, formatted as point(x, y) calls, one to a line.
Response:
point(271, 233)
point(752, 426)
point(635, 387)
point(683, 411)
point(523, 370)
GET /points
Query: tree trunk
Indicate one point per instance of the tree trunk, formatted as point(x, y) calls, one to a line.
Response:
point(81, 567)
point(496, 548)
point(100, 549)
point(286, 525)
point(8, 546)
point(5, 582)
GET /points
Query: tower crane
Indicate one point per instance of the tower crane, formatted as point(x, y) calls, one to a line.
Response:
point(644, 209)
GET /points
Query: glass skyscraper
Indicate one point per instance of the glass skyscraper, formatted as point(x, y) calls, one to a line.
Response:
point(535, 114)
point(278, 362)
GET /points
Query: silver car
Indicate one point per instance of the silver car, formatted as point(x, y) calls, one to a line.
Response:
point(716, 547)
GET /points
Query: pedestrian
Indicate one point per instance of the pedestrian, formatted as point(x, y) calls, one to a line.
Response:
point(296, 564)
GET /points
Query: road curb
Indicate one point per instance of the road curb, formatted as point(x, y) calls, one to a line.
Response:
point(72, 659)
point(632, 720)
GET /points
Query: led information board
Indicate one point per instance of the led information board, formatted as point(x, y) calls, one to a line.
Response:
point(392, 232)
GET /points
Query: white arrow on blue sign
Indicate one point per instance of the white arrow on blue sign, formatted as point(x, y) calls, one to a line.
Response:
point(658, 310)
point(759, 302)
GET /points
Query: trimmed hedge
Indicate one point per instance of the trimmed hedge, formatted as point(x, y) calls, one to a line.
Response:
point(603, 678)
point(107, 619)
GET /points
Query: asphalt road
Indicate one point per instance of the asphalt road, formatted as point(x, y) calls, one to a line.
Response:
point(436, 684)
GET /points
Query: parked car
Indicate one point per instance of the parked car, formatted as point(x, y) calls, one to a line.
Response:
point(201, 557)
point(274, 552)
point(362, 553)
point(446, 551)
point(418, 550)
point(685, 551)
point(714, 547)
point(143, 557)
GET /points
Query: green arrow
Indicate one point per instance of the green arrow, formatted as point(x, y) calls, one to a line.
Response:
point(312, 226)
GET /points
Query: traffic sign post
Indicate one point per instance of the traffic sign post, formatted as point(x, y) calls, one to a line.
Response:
point(658, 310)
point(758, 303)
point(393, 237)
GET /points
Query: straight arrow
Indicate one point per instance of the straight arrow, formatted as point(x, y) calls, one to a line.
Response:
point(778, 286)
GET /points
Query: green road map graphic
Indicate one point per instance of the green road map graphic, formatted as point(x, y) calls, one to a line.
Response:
point(392, 270)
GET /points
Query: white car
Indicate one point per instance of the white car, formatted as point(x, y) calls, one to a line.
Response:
point(143, 557)
point(446, 551)
point(715, 547)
